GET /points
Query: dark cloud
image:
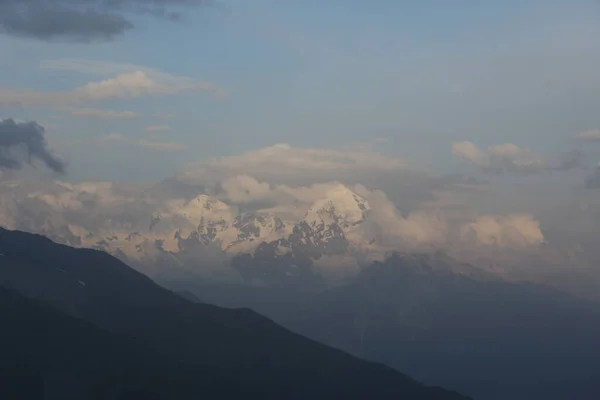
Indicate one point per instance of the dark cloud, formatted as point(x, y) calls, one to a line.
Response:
point(82, 20)
point(21, 143)
point(593, 181)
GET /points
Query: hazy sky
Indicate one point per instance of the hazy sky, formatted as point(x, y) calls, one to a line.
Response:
point(132, 92)
point(269, 103)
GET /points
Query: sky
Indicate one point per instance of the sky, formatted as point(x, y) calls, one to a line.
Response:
point(469, 127)
point(189, 80)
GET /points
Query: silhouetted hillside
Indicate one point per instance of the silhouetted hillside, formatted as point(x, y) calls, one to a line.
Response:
point(201, 347)
point(47, 354)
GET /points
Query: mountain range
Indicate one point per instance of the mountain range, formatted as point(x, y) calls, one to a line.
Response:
point(486, 337)
point(78, 323)
point(270, 244)
point(312, 235)
point(446, 322)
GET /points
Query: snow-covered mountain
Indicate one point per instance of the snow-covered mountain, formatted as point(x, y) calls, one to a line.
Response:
point(334, 227)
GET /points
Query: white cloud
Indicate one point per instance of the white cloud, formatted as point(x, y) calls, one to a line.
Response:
point(419, 228)
point(107, 68)
point(131, 81)
point(99, 113)
point(592, 135)
point(74, 196)
point(284, 164)
point(468, 152)
point(243, 189)
point(128, 85)
point(150, 144)
point(513, 230)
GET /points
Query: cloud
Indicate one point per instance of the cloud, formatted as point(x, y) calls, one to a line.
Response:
point(284, 164)
point(157, 128)
point(129, 85)
point(593, 181)
point(510, 158)
point(419, 228)
point(468, 152)
point(82, 20)
point(150, 144)
point(513, 230)
point(22, 142)
point(109, 69)
point(589, 136)
point(162, 115)
point(161, 146)
point(99, 113)
point(112, 137)
point(244, 189)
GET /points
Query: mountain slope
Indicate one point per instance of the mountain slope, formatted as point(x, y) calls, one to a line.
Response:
point(487, 338)
point(49, 355)
point(254, 354)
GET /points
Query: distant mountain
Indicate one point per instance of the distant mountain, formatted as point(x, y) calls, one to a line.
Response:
point(487, 338)
point(445, 323)
point(115, 313)
point(271, 245)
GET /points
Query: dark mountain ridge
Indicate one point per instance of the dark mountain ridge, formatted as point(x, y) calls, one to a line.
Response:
point(248, 352)
point(49, 355)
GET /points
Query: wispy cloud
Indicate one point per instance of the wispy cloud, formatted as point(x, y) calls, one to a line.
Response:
point(157, 128)
point(284, 163)
point(509, 157)
point(161, 146)
point(108, 68)
point(131, 82)
point(592, 135)
point(150, 144)
point(125, 86)
point(99, 113)
point(163, 115)
point(113, 137)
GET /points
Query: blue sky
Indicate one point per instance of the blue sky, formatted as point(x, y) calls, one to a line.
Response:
point(335, 74)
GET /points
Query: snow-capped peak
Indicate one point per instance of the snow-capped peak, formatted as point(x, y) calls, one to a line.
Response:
point(203, 208)
point(341, 206)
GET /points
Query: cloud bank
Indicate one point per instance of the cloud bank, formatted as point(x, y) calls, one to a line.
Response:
point(493, 229)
